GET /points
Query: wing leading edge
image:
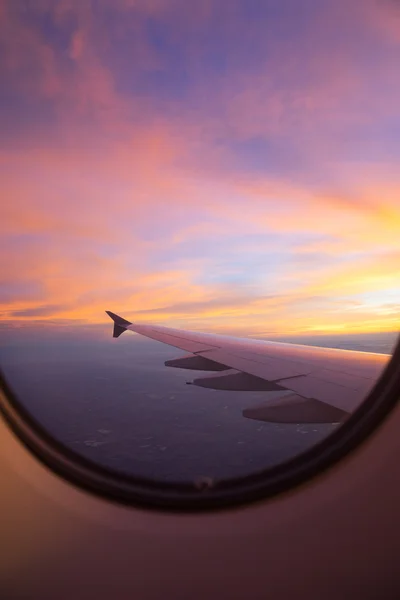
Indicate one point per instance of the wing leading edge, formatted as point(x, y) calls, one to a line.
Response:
point(322, 385)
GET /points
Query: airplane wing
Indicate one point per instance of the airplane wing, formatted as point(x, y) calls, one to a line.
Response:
point(322, 385)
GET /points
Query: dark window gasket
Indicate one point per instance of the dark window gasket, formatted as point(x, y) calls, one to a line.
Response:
point(171, 496)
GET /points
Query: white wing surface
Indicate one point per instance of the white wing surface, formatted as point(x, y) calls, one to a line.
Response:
point(325, 384)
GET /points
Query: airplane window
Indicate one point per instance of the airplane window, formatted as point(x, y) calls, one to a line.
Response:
point(234, 209)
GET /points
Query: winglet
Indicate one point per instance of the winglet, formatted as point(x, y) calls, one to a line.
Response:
point(120, 324)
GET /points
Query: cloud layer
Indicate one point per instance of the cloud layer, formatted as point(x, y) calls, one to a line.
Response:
point(221, 166)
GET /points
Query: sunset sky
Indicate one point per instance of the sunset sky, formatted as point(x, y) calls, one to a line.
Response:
point(228, 166)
